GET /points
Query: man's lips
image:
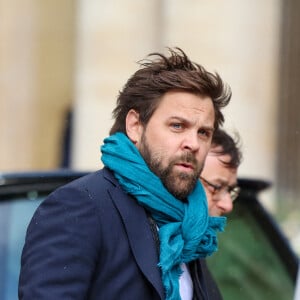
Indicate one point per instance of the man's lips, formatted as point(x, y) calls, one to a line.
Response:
point(185, 166)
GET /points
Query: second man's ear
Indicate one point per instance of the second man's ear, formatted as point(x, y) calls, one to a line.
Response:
point(134, 128)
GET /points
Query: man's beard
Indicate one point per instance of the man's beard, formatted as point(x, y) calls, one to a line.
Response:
point(179, 184)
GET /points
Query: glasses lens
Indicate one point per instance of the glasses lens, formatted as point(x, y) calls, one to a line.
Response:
point(234, 193)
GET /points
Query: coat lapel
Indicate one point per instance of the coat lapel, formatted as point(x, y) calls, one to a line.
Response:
point(140, 237)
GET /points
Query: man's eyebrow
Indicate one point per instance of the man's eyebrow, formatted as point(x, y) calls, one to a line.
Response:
point(178, 118)
point(224, 182)
point(209, 128)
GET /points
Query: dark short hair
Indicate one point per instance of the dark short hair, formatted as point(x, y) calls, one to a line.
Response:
point(223, 144)
point(145, 87)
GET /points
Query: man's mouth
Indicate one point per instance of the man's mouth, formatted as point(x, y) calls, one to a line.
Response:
point(185, 166)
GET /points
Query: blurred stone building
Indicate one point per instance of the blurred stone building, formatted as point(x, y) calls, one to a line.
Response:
point(61, 56)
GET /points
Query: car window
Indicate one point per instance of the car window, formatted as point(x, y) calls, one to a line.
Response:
point(247, 266)
point(15, 215)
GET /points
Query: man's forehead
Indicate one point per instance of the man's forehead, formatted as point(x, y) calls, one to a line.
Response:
point(223, 158)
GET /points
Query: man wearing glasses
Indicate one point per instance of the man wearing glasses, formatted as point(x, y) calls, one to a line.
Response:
point(219, 178)
point(219, 175)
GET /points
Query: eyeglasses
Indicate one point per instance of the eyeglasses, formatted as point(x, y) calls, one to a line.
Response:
point(233, 191)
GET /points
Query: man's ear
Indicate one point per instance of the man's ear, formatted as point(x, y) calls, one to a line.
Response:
point(134, 127)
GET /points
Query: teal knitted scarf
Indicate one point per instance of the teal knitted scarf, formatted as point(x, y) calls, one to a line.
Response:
point(186, 231)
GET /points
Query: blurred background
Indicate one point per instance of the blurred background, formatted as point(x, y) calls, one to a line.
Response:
point(62, 64)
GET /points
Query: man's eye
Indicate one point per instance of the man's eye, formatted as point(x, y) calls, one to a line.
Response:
point(218, 187)
point(215, 188)
point(176, 125)
point(204, 132)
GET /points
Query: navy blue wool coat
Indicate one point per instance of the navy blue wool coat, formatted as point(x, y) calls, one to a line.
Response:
point(91, 240)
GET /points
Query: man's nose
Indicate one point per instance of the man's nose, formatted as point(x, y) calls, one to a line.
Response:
point(191, 141)
point(225, 203)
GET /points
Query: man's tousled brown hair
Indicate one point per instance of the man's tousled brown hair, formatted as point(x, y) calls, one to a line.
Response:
point(145, 87)
point(224, 144)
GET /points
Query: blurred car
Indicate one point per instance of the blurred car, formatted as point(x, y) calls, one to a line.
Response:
point(254, 261)
point(297, 292)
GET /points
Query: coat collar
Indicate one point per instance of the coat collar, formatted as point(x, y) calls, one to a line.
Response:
point(139, 233)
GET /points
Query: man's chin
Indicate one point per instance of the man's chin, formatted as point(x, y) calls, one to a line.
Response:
point(180, 189)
